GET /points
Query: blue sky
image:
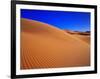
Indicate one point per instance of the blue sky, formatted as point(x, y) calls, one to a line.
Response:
point(76, 21)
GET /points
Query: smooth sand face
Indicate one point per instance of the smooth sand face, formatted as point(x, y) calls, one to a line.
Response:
point(45, 46)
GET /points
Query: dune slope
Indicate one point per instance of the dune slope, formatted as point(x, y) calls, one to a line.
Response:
point(84, 36)
point(45, 46)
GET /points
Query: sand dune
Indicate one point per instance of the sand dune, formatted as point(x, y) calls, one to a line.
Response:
point(78, 32)
point(45, 46)
point(85, 36)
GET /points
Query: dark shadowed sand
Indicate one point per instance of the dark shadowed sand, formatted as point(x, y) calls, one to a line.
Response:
point(45, 46)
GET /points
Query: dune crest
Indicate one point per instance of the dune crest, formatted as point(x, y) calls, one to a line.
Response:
point(45, 46)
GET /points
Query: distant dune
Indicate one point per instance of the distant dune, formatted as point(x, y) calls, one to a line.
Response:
point(85, 36)
point(45, 46)
point(78, 32)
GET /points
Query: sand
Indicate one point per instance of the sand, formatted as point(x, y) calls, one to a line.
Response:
point(85, 36)
point(45, 46)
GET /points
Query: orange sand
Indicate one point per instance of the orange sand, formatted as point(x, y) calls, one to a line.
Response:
point(85, 36)
point(45, 46)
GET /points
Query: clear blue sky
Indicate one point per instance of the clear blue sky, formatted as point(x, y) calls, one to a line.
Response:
point(76, 21)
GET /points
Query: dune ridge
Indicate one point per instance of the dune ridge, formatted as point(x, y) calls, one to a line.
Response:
point(46, 27)
point(45, 46)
